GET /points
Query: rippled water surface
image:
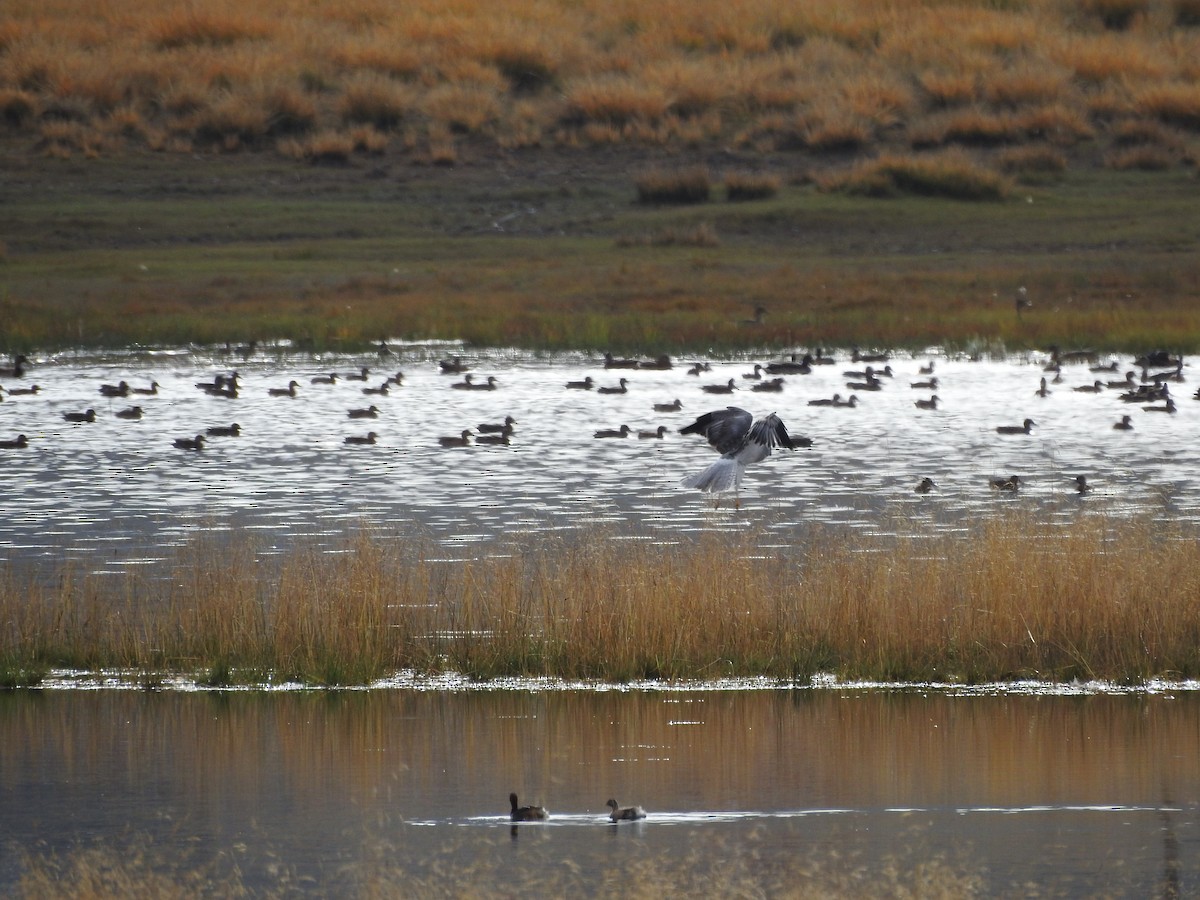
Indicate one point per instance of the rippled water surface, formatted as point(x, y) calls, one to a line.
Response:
point(119, 491)
point(1075, 796)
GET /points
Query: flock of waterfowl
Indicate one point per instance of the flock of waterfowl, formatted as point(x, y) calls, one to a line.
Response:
point(617, 813)
point(733, 432)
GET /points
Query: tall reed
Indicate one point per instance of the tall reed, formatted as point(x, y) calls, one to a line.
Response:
point(1015, 599)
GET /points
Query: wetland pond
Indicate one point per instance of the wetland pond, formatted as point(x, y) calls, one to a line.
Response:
point(400, 789)
point(824, 789)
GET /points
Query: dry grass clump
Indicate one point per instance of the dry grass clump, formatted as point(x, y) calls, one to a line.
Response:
point(1032, 160)
point(1175, 104)
point(377, 101)
point(951, 173)
point(190, 27)
point(1144, 158)
point(1014, 599)
point(692, 184)
point(751, 185)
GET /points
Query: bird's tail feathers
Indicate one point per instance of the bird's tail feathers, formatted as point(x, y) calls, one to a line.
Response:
point(723, 475)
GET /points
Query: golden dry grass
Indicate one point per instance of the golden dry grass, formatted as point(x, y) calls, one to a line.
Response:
point(863, 75)
point(1012, 600)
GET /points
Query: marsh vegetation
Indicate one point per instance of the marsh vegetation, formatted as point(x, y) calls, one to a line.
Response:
point(1014, 600)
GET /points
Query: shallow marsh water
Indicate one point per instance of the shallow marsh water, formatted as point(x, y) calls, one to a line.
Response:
point(1078, 795)
point(118, 494)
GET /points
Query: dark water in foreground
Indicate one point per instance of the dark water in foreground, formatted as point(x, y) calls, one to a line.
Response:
point(331, 793)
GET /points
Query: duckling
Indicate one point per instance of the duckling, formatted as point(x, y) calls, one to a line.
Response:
point(826, 401)
point(586, 385)
point(196, 443)
point(756, 375)
point(526, 813)
point(656, 435)
point(368, 438)
point(463, 440)
point(371, 412)
point(622, 388)
point(18, 443)
point(132, 413)
point(624, 813)
point(676, 406)
point(621, 432)
point(1011, 484)
point(1169, 408)
point(289, 391)
point(1023, 428)
point(80, 417)
point(234, 430)
point(493, 427)
point(727, 388)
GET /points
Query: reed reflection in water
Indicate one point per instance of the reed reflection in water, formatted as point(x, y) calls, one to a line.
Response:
point(1082, 795)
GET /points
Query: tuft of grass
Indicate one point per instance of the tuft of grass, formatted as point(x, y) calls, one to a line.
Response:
point(614, 100)
point(191, 27)
point(692, 184)
point(1175, 104)
point(750, 185)
point(1032, 160)
point(1143, 158)
point(951, 174)
point(376, 101)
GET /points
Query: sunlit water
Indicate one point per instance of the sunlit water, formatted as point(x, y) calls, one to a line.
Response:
point(119, 493)
point(1036, 795)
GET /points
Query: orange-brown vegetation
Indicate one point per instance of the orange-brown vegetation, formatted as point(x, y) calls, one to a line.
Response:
point(439, 80)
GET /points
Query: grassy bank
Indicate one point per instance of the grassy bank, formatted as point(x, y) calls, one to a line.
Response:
point(591, 175)
point(221, 250)
point(1013, 600)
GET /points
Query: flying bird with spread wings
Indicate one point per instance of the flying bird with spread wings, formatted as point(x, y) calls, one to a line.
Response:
point(741, 440)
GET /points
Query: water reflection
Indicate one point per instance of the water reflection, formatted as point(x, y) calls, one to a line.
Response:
point(1066, 791)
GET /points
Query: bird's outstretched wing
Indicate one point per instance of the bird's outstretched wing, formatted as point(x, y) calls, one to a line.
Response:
point(724, 429)
point(770, 432)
